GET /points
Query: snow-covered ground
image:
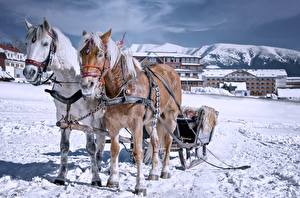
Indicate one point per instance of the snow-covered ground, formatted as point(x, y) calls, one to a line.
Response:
point(264, 134)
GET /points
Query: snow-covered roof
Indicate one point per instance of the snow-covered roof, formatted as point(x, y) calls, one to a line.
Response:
point(255, 72)
point(192, 64)
point(164, 50)
point(190, 79)
point(188, 70)
point(161, 54)
point(212, 67)
point(293, 79)
point(288, 93)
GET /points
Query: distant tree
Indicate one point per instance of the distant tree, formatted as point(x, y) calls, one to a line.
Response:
point(18, 43)
point(229, 87)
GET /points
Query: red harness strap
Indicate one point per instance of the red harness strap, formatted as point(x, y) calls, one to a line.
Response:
point(35, 63)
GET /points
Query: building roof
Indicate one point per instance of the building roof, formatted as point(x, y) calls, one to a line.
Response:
point(188, 70)
point(10, 48)
point(191, 64)
point(255, 72)
point(293, 79)
point(212, 67)
point(161, 54)
point(190, 79)
point(164, 50)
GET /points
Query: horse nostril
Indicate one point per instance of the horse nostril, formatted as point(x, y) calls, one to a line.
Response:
point(32, 72)
point(92, 84)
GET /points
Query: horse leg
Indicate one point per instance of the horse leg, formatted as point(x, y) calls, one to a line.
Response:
point(113, 180)
point(140, 187)
point(64, 150)
point(100, 141)
point(169, 118)
point(153, 175)
point(91, 149)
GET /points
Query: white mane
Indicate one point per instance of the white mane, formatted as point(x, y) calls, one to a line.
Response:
point(66, 53)
point(114, 52)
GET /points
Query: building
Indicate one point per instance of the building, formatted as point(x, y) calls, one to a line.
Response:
point(259, 82)
point(293, 82)
point(186, 64)
point(14, 60)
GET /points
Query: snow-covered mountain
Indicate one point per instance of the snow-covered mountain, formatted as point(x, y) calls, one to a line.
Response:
point(250, 56)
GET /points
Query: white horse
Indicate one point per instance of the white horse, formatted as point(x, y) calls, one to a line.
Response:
point(49, 49)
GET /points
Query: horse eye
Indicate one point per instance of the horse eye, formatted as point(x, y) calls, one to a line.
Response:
point(45, 44)
point(100, 54)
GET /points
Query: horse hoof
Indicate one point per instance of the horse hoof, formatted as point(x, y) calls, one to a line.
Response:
point(153, 177)
point(96, 183)
point(111, 184)
point(141, 191)
point(165, 175)
point(59, 182)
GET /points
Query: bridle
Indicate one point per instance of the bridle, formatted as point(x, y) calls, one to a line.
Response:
point(100, 70)
point(42, 66)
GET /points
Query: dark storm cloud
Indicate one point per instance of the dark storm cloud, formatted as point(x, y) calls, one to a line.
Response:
point(186, 22)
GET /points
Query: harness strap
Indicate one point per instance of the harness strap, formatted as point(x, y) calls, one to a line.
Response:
point(166, 85)
point(68, 101)
point(128, 100)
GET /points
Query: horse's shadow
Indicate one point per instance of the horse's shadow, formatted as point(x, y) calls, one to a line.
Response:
point(27, 171)
point(42, 169)
point(124, 156)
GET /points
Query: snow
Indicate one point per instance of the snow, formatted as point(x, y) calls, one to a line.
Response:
point(258, 132)
point(210, 91)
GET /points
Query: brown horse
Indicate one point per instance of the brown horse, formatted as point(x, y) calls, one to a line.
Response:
point(107, 72)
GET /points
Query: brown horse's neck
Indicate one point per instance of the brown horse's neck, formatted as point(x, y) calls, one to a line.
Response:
point(115, 78)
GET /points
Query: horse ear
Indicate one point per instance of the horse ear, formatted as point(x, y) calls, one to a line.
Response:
point(46, 24)
point(106, 36)
point(28, 25)
point(84, 32)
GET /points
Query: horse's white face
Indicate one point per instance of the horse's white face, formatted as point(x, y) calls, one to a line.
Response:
point(93, 62)
point(38, 43)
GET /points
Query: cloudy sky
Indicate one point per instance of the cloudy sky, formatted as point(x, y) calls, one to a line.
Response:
point(190, 23)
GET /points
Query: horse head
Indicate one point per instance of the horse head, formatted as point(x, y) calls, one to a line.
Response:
point(94, 61)
point(41, 46)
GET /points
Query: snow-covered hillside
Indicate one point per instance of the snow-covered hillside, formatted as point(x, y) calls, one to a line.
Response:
point(247, 55)
point(262, 133)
